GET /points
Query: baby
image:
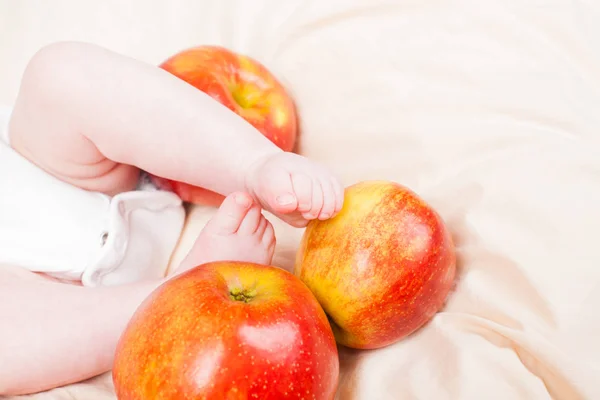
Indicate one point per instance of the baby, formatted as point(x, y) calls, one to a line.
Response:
point(84, 239)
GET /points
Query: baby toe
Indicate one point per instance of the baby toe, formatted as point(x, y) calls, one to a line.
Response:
point(262, 226)
point(279, 194)
point(296, 220)
point(268, 238)
point(230, 214)
point(317, 201)
point(303, 188)
point(329, 202)
point(338, 191)
point(251, 221)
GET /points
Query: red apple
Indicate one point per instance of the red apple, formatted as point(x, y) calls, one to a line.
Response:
point(228, 330)
point(244, 86)
point(381, 268)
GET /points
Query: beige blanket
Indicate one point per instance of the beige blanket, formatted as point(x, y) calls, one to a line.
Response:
point(488, 108)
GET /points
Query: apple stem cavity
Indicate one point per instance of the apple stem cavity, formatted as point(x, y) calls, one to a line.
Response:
point(245, 296)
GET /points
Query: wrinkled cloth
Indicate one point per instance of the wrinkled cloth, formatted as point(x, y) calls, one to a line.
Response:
point(488, 109)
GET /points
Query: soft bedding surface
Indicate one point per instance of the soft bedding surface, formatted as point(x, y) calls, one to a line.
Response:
point(488, 109)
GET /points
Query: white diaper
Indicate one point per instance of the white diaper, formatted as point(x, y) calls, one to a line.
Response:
point(49, 226)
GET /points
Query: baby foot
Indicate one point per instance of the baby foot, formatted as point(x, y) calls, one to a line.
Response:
point(295, 188)
point(237, 232)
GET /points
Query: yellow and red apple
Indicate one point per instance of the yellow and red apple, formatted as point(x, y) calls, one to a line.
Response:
point(243, 85)
point(228, 330)
point(381, 268)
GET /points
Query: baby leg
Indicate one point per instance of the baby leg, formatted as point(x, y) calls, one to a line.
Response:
point(90, 117)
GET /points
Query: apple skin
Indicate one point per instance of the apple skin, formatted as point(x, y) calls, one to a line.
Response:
point(192, 339)
point(381, 268)
point(243, 85)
